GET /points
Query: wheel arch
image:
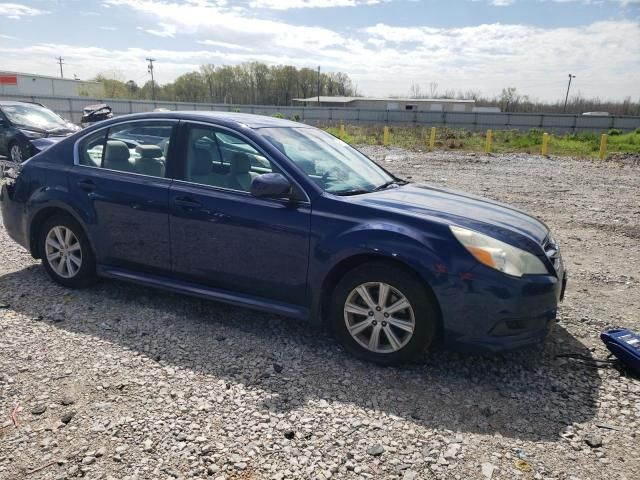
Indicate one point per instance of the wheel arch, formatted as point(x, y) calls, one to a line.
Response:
point(350, 263)
point(38, 219)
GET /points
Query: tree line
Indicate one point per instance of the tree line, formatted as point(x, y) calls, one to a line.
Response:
point(248, 83)
point(260, 84)
point(511, 100)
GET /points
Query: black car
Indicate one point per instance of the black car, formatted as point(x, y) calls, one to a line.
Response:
point(28, 128)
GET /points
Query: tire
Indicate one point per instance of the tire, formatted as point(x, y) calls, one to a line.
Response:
point(17, 154)
point(395, 343)
point(71, 273)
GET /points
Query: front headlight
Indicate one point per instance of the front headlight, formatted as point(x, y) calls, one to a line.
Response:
point(32, 135)
point(499, 255)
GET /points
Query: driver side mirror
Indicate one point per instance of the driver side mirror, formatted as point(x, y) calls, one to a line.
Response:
point(271, 185)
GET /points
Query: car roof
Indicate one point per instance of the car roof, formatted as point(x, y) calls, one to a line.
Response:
point(15, 102)
point(230, 119)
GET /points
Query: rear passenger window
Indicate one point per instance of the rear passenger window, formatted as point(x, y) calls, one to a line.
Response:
point(221, 159)
point(136, 147)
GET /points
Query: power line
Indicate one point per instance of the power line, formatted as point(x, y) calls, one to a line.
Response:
point(60, 62)
point(153, 83)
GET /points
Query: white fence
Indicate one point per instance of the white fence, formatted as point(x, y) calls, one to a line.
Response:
point(71, 108)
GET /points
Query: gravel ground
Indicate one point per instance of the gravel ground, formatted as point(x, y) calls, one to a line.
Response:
point(124, 382)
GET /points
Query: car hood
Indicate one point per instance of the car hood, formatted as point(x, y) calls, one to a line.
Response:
point(462, 209)
point(62, 131)
point(42, 144)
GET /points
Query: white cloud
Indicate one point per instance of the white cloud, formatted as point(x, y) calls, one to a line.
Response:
point(165, 30)
point(226, 45)
point(502, 3)
point(16, 10)
point(219, 22)
point(382, 59)
point(290, 4)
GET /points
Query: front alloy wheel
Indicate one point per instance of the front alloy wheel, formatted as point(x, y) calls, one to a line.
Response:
point(384, 313)
point(15, 153)
point(379, 317)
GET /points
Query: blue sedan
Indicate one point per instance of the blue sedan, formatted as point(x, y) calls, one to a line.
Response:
point(280, 216)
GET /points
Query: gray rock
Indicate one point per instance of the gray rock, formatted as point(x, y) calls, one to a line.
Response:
point(410, 475)
point(487, 470)
point(66, 418)
point(593, 440)
point(39, 409)
point(375, 450)
point(451, 452)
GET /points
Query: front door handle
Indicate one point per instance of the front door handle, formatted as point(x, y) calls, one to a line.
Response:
point(87, 185)
point(187, 203)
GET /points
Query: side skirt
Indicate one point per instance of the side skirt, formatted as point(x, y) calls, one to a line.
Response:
point(196, 290)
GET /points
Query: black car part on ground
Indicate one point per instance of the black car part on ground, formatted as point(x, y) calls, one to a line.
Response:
point(95, 113)
point(625, 345)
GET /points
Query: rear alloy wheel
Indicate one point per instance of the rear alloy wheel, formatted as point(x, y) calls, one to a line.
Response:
point(383, 313)
point(63, 251)
point(66, 253)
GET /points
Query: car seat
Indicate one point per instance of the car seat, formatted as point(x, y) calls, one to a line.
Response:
point(201, 169)
point(149, 162)
point(241, 176)
point(116, 157)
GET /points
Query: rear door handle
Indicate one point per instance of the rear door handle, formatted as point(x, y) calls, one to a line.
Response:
point(87, 185)
point(186, 202)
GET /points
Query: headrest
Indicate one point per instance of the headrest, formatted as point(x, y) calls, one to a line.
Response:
point(308, 166)
point(116, 151)
point(149, 151)
point(240, 163)
point(201, 162)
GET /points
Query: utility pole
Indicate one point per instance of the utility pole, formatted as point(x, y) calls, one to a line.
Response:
point(153, 83)
point(60, 62)
point(566, 99)
point(318, 85)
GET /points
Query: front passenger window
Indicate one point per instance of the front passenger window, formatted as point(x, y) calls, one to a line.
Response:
point(221, 159)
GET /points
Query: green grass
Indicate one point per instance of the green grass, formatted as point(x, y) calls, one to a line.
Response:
point(416, 138)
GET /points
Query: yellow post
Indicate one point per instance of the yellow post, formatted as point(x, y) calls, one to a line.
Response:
point(487, 143)
point(343, 133)
point(385, 140)
point(432, 139)
point(545, 144)
point(603, 146)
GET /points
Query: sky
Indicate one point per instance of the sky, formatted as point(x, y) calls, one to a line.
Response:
point(385, 46)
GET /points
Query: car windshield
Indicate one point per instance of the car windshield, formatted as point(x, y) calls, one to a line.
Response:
point(328, 161)
point(33, 116)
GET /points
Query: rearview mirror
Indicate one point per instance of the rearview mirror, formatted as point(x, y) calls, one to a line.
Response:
point(270, 185)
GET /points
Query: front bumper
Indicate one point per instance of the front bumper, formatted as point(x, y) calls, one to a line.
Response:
point(494, 312)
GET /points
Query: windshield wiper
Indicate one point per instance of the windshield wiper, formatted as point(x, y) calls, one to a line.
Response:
point(354, 191)
point(388, 184)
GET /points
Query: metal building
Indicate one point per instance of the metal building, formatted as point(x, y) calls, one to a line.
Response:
point(367, 103)
point(27, 84)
